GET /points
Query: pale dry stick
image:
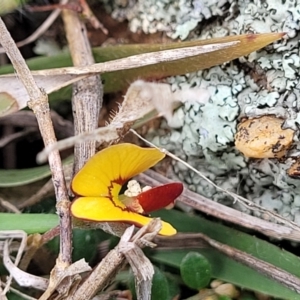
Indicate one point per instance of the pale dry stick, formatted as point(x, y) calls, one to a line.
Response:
point(87, 93)
point(136, 61)
point(47, 189)
point(23, 296)
point(89, 15)
point(15, 136)
point(11, 234)
point(21, 277)
point(39, 32)
point(2, 297)
point(34, 242)
point(106, 270)
point(245, 202)
point(25, 118)
point(9, 206)
point(40, 106)
point(200, 240)
point(223, 212)
point(120, 64)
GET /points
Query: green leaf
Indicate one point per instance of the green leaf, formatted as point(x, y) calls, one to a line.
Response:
point(114, 81)
point(84, 243)
point(119, 80)
point(174, 288)
point(11, 178)
point(225, 268)
point(160, 286)
point(30, 223)
point(195, 270)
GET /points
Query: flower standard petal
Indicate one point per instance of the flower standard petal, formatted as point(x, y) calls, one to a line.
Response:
point(104, 209)
point(159, 197)
point(106, 172)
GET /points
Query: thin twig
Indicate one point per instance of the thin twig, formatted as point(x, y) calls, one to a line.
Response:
point(259, 265)
point(87, 93)
point(15, 291)
point(223, 212)
point(9, 206)
point(40, 106)
point(89, 15)
point(62, 127)
point(10, 234)
point(34, 36)
point(200, 240)
point(138, 61)
point(45, 190)
point(15, 136)
point(106, 270)
point(243, 201)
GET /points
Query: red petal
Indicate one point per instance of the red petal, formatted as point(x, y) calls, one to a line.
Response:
point(160, 196)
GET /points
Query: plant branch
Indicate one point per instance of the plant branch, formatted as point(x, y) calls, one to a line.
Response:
point(223, 212)
point(87, 93)
point(40, 106)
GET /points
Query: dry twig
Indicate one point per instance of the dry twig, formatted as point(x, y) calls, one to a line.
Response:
point(87, 93)
point(47, 23)
point(243, 201)
point(114, 260)
point(269, 270)
point(40, 106)
point(223, 212)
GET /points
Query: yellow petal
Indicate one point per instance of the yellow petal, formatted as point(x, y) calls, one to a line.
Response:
point(109, 169)
point(103, 209)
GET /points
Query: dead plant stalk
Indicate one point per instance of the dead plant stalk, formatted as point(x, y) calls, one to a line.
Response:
point(40, 106)
point(87, 93)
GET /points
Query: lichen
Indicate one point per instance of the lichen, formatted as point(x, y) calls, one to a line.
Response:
point(263, 83)
point(177, 18)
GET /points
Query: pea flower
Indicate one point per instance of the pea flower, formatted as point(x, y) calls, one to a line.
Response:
point(100, 181)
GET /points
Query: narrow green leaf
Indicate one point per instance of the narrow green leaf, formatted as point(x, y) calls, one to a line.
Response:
point(114, 81)
point(226, 268)
point(119, 80)
point(11, 178)
point(30, 223)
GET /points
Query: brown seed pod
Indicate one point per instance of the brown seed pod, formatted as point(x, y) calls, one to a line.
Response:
point(263, 137)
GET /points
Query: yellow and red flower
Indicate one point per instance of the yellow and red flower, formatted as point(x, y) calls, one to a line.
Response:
point(99, 183)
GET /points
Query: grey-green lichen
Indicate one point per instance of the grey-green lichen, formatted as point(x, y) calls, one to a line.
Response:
point(176, 18)
point(264, 83)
